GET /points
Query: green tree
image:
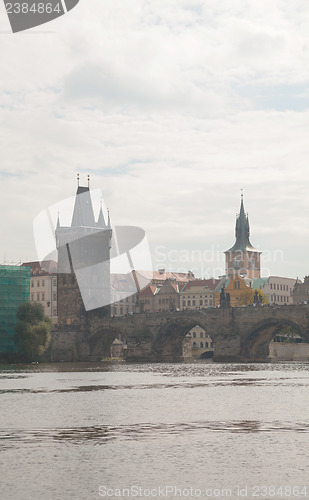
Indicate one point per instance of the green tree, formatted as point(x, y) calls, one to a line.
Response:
point(32, 331)
point(247, 298)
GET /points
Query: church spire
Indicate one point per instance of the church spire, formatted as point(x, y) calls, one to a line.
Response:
point(242, 230)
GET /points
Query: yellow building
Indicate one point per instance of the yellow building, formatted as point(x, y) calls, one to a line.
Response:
point(234, 286)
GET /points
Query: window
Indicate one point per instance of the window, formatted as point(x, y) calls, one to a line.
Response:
point(54, 296)
point(38, 296)
point(32, 284)
point(280, 287)
point(193, 302)
point(43, 296)
point(201, 344)
point(43, 282)
point(194, 335)
point(54, 312)
point(32, 297)
point(271, 286)
point(206, 344)
point(201, 335)
point(194, 346)
point(54, 281)
point(38, 283)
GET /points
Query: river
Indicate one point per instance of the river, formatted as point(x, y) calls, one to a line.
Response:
point(191, 430)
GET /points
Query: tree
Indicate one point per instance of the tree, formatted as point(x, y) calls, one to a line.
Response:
point(32, 331)
point(247, 298)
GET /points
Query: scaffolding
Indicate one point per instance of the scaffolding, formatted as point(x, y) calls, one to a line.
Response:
point(14, 290)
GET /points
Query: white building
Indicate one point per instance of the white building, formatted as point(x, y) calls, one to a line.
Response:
point(43, 287)
point(277, 289)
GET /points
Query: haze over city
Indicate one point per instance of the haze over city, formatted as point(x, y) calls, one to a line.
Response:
point(172, 108)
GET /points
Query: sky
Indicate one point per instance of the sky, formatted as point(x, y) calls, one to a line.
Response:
point(172, 107)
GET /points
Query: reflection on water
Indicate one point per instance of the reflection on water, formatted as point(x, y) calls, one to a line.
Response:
point(66, 429)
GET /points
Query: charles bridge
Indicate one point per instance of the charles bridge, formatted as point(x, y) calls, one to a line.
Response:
point(241, 333)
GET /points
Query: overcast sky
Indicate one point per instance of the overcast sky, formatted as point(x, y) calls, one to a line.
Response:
point(172, 106)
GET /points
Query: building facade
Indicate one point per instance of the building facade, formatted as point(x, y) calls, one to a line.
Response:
point(43, 286)
point(301, 291)
point(234, 286)
point(197, 344)
point(242, 259)
point(83, 263)
point(278, 290)
point(198, 294)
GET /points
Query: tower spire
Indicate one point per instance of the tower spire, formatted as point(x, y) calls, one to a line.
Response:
point(77, 180)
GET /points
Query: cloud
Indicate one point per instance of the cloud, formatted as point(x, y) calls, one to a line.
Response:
point(172, 107)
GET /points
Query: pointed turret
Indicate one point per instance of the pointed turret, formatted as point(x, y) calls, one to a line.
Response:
point(101, 222)
point(58, 222)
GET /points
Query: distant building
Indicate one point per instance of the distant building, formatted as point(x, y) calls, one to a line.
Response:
point(301, 291)
point(197, 344)
point(83, 258)
point(242, 259)
point(198, 294)
point(232, 285)
point(278, 290)
point(14, 290)
point(160, 298)
point(43, 286)
point(121, 302)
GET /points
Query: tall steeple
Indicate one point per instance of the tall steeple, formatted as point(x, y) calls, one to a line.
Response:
point(242, 230)
point(242, 258)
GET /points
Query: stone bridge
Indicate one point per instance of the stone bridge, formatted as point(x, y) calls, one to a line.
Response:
point(241, 333)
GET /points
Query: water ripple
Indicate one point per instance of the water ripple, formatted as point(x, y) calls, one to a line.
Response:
point(105, 433)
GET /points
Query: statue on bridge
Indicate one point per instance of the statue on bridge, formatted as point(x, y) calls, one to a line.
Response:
point(225, 299)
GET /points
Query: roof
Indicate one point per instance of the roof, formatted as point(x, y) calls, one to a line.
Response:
point(207, 283)
point(41, 268)
point(166, 275)
point(242, 232)
point(83, 211)
point(259, 283)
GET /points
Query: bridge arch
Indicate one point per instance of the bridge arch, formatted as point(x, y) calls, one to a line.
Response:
point(256, 344)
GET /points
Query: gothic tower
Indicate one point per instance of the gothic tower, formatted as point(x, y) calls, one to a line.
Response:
point(242, 259)
point(83, 262)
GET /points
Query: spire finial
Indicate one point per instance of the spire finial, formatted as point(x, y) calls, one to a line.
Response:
point(88, 178)
point(242, 193)
point(78, 180)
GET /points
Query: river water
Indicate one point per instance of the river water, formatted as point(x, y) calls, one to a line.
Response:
point(196, 430)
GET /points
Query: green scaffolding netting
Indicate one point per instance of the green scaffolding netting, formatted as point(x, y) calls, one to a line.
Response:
point(14, 290)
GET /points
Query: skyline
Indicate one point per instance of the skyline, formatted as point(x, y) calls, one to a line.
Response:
point(172, 109)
